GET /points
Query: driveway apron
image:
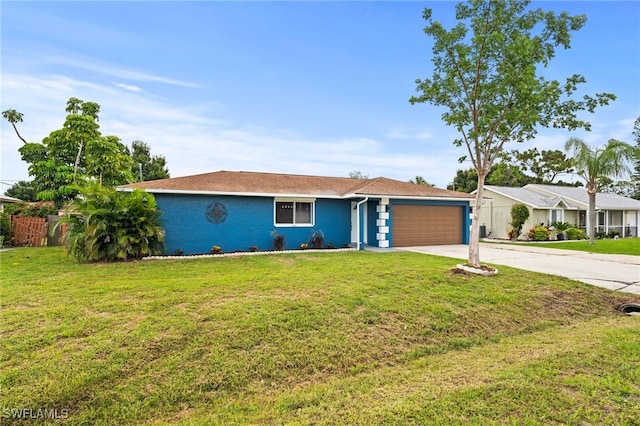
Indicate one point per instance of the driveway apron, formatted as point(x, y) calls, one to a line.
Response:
point(612, 271)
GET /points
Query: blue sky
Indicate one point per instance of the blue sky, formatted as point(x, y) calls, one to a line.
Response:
point(317, 88)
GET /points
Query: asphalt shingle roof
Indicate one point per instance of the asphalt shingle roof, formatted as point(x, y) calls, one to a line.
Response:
point(230, 182)
point(604, 200)
point(547, 196)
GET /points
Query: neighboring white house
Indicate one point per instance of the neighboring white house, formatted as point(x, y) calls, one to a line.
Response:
point(549, 203)
point(7, 200)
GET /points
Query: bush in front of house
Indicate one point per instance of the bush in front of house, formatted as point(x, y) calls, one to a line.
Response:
point(316, 240)
point(539, 233)
point(108, 225)
point(278, 240)
point(519, 215)
point(575, 234)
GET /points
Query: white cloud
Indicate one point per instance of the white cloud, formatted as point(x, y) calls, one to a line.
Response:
point(111, 70)
point(188, 136)
point(128, 87)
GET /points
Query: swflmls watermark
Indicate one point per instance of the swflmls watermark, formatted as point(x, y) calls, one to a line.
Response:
point(35, 413)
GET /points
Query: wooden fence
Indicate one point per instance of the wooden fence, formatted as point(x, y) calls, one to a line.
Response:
point(34, 231)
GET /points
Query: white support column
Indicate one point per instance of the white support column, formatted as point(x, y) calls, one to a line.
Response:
point(383, 230)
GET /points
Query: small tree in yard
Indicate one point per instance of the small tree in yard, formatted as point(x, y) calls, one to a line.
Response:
point(519, 215)
point(108, 225)
point(485, 75)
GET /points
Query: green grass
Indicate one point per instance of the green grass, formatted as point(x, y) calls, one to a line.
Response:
point(608, 246)
point(311, 338)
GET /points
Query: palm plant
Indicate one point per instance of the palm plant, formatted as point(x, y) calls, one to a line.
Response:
point(593, 163)
point(108, 225)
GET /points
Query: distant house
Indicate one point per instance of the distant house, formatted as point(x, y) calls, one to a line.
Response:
point(237, 210)
point(549, 203)
point(7, 200)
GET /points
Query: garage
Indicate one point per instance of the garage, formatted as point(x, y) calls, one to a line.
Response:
point(421, 225)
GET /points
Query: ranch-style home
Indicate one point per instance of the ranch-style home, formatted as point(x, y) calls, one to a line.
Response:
point(550, 203)
point(238, 210)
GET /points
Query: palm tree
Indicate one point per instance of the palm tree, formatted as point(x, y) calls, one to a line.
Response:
point(593, 163)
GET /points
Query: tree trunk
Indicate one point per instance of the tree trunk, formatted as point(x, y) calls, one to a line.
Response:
point(474, 237)
point(77, 163)
point(592, 214)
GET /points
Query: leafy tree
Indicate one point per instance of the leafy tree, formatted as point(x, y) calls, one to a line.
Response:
point(504, 174)
point(108, 225)
point(73, 154)
point(546, 165)
point(464, 181)
point(593, 163)
point(519, 215)
point(357, 174)
point(485, 75)
point(108, 161)
point(22, 190)
point(620, 187)
point(145, 166)
point(419, 180)
point(13, 117)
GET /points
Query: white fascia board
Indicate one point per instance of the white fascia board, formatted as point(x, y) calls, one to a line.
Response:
point(409, 197)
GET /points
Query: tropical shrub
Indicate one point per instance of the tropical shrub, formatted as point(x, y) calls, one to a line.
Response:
point(541, 233)
point(278, 240)
point(107, 225)
point(519, 215)
point(316, 241)
point(5, 229)
point(576, 234)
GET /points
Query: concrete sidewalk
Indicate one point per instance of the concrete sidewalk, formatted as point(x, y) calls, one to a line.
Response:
point(612, 271)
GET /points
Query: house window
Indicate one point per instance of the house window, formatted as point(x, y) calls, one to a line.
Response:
point(600, 221)
point(294, 213)
point(556, 215)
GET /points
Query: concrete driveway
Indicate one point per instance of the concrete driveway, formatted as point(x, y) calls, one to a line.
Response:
point(612, 271)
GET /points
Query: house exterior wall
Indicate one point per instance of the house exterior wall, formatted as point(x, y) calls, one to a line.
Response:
point(248, 222)
point(372, 219)
point(495, 214)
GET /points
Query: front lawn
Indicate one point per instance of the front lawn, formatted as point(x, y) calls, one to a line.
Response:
point(310, 338)
point(607, 246)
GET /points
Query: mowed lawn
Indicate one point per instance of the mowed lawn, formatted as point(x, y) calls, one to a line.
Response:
point(311, 338)
point(609, 246)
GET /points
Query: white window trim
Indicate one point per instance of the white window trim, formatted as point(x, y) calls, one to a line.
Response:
point(295, 200)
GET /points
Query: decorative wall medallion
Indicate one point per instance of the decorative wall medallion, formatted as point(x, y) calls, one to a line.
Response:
point(216, 213)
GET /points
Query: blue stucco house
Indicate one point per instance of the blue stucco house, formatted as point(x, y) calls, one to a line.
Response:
point(237, 210)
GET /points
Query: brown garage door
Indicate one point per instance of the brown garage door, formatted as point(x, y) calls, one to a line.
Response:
point(415, 225)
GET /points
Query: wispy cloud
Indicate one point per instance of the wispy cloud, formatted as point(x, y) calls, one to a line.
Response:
point(193, 141)
point(113, 70)
point(409, 134)
point(128, 87)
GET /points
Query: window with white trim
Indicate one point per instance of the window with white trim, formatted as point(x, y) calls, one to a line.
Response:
point(293, 213)
point(556, 215)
